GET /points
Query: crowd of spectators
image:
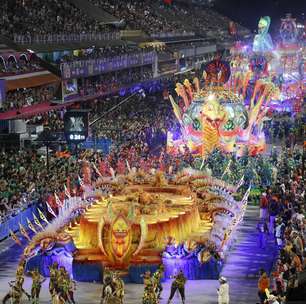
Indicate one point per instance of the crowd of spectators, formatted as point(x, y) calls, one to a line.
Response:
point(283, 217)
point(26, 97)
point(24, 177)
point(34, 21)
point(283, 127)
point(142, 120)
point(156, 17)
point(111, 82)
point(33, 17)
point(140, 15)
point(13, 66)
point(106, 52)
point(88, 87)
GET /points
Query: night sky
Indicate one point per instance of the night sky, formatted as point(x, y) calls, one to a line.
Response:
point(247, 12)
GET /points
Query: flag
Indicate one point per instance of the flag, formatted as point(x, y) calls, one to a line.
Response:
point(80, 181)
point(50, 210)
point(227, 168)
point(36, 221)
point(24, 232)
point(57, 200)
point(67, 193)
point(241, 182)
point(30, 225)
point(112, 172)
point(15, 238)
point(128, 165)
point(42, 216)
point(246, 195)
point(96, 169)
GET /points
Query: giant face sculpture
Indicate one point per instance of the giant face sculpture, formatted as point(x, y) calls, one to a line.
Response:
point(120, 236)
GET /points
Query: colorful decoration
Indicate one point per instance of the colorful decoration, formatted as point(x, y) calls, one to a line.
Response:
point(216, 117)
point(288, 30)
point(263, 42)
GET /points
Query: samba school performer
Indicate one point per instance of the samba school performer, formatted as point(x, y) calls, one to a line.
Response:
point(149, 295)
point(157, 277)
point(113, 289)
point(16, 292)
point(37, 280)
point(178, 284)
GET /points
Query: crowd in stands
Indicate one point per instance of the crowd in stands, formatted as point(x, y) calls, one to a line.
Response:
point(52, 120)
point(92, 86)
point(13, 66)
point(26, 97)
point(30, 18)
point(106, 52)
point(157, 17)
point(24, 178)
point(111, 82)
point(143, 120)
point(139, 15)
point(282, 212)
point(34, 21)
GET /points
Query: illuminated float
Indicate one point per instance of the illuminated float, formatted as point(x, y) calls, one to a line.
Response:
point(216, 115)
point(281, 63)
point(183, 221)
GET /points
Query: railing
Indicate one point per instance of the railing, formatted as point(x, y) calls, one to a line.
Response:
point(65, 38)
point(172, 34)
point(85, 68)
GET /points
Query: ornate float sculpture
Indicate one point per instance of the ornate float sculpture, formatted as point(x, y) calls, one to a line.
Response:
point(263, 42)
point(216, 116)
point(150, 220)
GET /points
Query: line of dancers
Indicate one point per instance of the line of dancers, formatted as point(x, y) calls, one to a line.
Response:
point(61, 286)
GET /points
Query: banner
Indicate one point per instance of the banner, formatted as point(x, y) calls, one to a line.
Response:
point(86, 68)
point(2, 92)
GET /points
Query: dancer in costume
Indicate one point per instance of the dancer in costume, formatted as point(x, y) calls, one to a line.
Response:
point(107, 290)
point(63, 288)
point(119, 287)
point(53, 279)
point(16, 292)
point(37, 280)
point(149, 295)
point(178, 284)
point(157, 276)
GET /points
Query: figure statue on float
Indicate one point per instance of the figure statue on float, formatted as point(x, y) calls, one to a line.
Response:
point(262, 41)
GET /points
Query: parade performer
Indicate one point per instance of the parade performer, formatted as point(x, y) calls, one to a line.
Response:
point(178, 284)
point(63, 286)
point(16, 291)
point(149, 295)
point(107, 290)
point(223, 291)
point(157, 276)
point(113, 289)
point(53, 279)
point(36, 286)
point(119, 287)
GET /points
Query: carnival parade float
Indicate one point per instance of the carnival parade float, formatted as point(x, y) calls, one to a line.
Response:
point(184, 221)
point(226, 109)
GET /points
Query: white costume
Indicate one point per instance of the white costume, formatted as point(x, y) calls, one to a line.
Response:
point(223, 293)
